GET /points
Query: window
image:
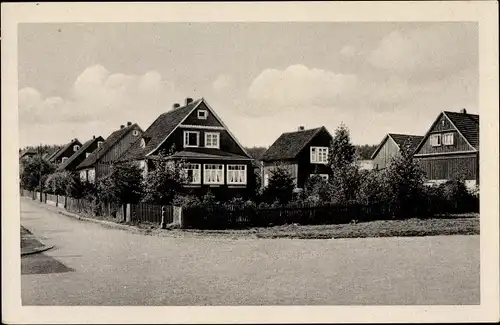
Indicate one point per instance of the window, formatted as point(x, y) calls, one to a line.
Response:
point(236, 174)
point(319, 155)
point(99, 144)
point(193, 173)
point(435, 140)
point(76, 147)
point(143, 143)
point(448, 139)
point(202, 114)
point(191, 139)
point(212, 140)
point(91, 175)
point(324, 176)
point(266, 180)
point(213, 174)
point(135, 133)
point(64, 159)
point(87, 154)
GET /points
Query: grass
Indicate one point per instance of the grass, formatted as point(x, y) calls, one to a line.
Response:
point(382, 228)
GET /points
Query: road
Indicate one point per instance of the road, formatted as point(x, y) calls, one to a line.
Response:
point(94, 265)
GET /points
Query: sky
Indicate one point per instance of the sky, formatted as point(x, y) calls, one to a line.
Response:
point(262, 79)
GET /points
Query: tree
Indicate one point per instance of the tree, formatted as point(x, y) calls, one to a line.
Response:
point(122, 185)
point(164, 181)
point(256, 152)
point(34, 172)
point(280, 186)
point(342, 151)
point(365, 151)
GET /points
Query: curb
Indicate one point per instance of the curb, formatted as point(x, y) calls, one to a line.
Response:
point(37, 250)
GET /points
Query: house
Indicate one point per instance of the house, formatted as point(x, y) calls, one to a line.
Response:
point(29, 152)
point(63, 154)
point(303, 153)
point(98, 164)
point(391, 146)
point(213, 158)
point(451, 148)
point(78, 157)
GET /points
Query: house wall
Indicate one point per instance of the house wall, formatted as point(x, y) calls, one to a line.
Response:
point(388, 151)
point(103, 165)
point(226, 143)
point(444, 126)
point(305, 167)
point(448, 167)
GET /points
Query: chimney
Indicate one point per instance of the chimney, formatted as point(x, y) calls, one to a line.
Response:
point(176, 106)
point(122, 126)
point(93, 137)
point(189, 100)
point(301, 128)
point(463, 111)
point(129, 123)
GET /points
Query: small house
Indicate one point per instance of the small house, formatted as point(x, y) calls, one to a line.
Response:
point(78, 157)
point(391, 146)
point(62, 155)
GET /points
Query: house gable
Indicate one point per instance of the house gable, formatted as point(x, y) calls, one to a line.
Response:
point(385, 152)
point(201, 116)
point(443, 125)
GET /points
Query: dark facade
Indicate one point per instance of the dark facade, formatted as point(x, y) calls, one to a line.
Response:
point(451, 148)
point(66, 152)
point(214, 160)
point(78, 157)
point(294, 151)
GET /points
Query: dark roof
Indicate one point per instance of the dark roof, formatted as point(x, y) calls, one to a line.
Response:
point(53, 153)
point(158, 131)
point(29, 151)
point(290, 144)
point(64, 148)
point(80, 151)
point(214, 154)
point(107, 144)
point(468, 125)
point(400, 140)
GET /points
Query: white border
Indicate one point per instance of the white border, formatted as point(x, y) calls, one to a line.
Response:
point(485, 12)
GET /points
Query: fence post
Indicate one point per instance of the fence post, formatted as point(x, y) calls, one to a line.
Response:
point(163, 225)
point(127, 213)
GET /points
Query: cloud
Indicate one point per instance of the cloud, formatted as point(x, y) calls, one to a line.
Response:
point(348, 51)
point(223, 83)
point(428, 52)
point(298, 85)
point(98, 95)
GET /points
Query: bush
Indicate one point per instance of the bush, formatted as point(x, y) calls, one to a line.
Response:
point(280, 187)
point(164, 182)
point(185, 200)
point(122, 185)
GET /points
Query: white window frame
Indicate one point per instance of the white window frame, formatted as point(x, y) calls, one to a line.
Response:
point(447, 136)
point(266, 179)
point(186, 138)
point(64, 159)
point(76, 147)
point(207, 170)
point(87, 154)
point(242, 171)
point(204, 114)
point(315, 155)
point(135, 133)
point(435, 140)
point(189, 166)
point(207, 134)
point(99, 144)
point(143, 143)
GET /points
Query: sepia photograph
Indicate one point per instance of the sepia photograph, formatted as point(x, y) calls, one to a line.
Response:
point(250, 163)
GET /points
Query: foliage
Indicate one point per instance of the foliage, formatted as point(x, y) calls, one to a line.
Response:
point(317, 190)
point(122, 185)
point(34, 171)
point(256, 152)
point(185, 200)
point(365, 151)
point(164, 181)
point(342, 151)
point(280, 187)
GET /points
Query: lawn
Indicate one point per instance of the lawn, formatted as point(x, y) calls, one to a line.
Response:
point(382, 228)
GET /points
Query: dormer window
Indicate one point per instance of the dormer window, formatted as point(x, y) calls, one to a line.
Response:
point(76, 147)
point(191, 139)
point(202, 114)
point(99, 144)
point(64, 159)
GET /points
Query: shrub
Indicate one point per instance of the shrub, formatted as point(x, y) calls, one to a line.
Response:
point(185, 200)
point(122, 185)
point(35, 171)
point(280, 187)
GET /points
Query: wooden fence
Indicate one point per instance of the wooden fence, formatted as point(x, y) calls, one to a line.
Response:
point(144, 212)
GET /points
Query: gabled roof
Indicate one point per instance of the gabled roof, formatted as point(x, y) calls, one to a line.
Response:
point(290, 144)
point(80, 151)
point(161, 129)
point(399, 140)
point(113, 139)
point(466, 124)
point(63, 149)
